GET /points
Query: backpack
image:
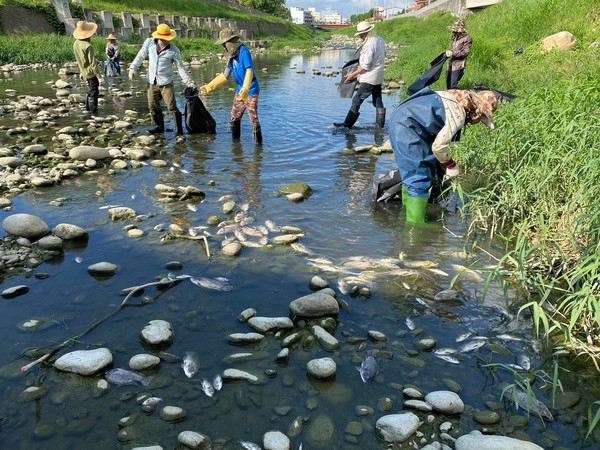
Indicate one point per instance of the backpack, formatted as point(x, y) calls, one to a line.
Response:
point(196, 116)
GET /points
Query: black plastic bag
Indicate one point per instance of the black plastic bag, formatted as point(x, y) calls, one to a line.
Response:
point(386, 187)
point(346, 90)
point(196, 116)
point(430, 76)
point(503, 97)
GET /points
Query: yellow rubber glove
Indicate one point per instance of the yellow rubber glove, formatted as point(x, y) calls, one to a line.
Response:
point(243, 94)
point(217, 81)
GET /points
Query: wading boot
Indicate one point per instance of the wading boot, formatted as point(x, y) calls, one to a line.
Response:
point(380, 117)
point(178, 119)
point(350, 120)
point(416, 207)
point(159, 121)
point(236, 129)
point(257, 133)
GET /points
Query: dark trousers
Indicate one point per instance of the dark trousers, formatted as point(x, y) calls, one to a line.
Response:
point(92, 95)
point(453, 77)
point(363, 92)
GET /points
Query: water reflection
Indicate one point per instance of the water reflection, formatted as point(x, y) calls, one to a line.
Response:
point(339, 221)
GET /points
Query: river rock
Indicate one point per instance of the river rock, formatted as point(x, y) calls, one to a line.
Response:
point(15, 291)
point(144, 361)
point(265, 324)
point(32, 393)
point(50, 242)
point(296, 188)
point(320, 431)
point(317, 283)
point(446, 402)
point(276, 440)
point(69, 232)
point(326, 340)
point(25, 225)
point(562, 41)
point(318, 304)
point(84, 362)
point(102, 268)
point(244, 338)
point(396, 428)
point(157, 333)
point(246, 314)
point(172, 414)
point(121, 213)
point(83, 152)
point(194, 441)
point(232, 249)
point(321, 368)
point(236, 374)
point(10, 161)
point(477, 441)
point(35, 149)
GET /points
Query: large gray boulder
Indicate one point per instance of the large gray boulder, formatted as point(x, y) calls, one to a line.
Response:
point(84, 362)
point(318, 304)
point(25, 225)
point(477, 441)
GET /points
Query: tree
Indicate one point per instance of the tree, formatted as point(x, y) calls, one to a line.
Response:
point(273, 7)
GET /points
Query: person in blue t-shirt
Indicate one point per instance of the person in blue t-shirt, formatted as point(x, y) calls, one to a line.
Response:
point(239, 63)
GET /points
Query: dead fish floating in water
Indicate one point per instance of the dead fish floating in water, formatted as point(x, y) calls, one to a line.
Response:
point(370, 366)
point(448, 358)
point(249, 445)
point(217, 382)
point(151, 401)
point(410, 324)
point(218, 284)
point(473, 345)
point(532, 405)
point(208, 388)
point(302, 249)
point(123, 377)
point(190, 364)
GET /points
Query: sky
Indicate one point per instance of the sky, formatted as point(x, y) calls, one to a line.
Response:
point(348, 7)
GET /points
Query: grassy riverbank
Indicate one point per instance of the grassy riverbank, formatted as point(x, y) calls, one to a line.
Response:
point(533, 180)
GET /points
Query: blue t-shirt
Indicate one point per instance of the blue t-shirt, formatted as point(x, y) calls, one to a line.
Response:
point(238, 65)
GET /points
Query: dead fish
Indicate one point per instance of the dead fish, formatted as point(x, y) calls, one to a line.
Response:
point(222, 198)
point(410, 324)
point(419, 264)
point(508, 337)
point(249, 445)
point(262, 229)
point(472, 345)
point(217, 382)
point(369, 368)
point(171, 276)
point(208, 388)
point(444, 351)
point(110, 206)
point(252, 244)
point(439, 272)
point(193, 231)
point(464, 336)
point(228, 229)
point(227, 241)
point(219, 283)
point(251, 231)
point(467, 274)
point(239, 235)
point(447, 294)
point(191, 207)
point(525, 362)
point(151, 401)
point(78, 259)
point(299, 248)
point(190, 364)
point(448, 358)
point(272, 227)
point(123, 377)
point(533, 406)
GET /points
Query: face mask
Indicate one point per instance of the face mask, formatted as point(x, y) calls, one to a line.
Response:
point(231, 47)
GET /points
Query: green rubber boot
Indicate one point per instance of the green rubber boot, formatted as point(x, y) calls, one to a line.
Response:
point(416, 207)
point(404, 194)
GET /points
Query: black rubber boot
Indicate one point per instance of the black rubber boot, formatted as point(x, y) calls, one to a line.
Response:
point(159, 121)
point(380, 118)
point(178, 119)
point(236, 129)
point(257, 133)
point(350, 120)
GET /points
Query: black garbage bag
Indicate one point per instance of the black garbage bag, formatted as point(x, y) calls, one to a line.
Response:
point(346, 90)
point(503, 97)
point(196, 116)
point(386, 187)
point(430, 76)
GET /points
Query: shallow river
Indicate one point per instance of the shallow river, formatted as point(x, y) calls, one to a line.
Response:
point(339, 223)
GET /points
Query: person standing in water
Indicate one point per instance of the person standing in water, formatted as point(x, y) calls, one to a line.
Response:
point(89, 67)
point(239, 64)
point(370, 76)
point(113, 54)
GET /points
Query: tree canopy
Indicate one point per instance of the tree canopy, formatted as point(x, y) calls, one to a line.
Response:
point(273, 7)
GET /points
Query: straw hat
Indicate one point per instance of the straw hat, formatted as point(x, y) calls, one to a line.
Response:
point(84, 29)
point(226, 35)
point(164, 32)
point(111, 37)
point(363, 27)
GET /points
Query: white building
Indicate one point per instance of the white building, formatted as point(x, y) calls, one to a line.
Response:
point(315, 14)
point(332, 17)
point(300, 16)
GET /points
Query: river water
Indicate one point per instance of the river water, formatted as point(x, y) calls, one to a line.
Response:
point(339, 223)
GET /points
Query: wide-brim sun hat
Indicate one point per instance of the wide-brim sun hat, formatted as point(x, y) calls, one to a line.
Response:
point(164, 32)
point(111, 37)
point(226, 35)
point(84, 29)
point(363, 27)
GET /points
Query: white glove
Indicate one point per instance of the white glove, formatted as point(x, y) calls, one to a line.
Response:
point(448, 53)
point(452, 169)
point(191, 85)
point(131, 74)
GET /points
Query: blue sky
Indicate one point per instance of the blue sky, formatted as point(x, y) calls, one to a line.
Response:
point(348, 7)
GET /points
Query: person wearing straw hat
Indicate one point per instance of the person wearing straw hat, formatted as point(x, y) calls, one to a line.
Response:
point(460, 46)
point(113, 54)
point(162, 54)
point(239, 64)
point(420, 130)
point(89, 67)
point(370, 76)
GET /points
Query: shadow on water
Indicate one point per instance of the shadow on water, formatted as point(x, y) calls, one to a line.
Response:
point(433, 293)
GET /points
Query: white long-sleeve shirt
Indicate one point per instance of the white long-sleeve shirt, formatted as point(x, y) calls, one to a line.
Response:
point(160, 65)
point(372, 59)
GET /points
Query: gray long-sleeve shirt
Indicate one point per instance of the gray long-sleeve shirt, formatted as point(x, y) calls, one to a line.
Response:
point(160, 65)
